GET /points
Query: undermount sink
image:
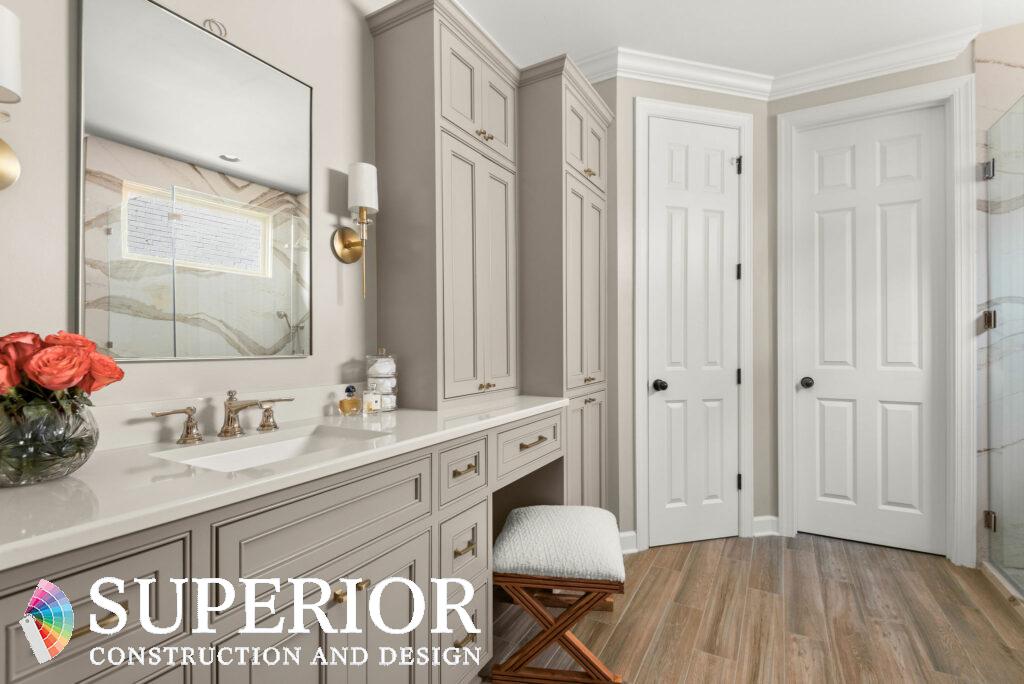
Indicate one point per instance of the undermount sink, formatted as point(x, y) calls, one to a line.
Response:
point(252, 451)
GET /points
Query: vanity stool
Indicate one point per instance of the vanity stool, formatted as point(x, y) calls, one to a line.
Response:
point(550, 549)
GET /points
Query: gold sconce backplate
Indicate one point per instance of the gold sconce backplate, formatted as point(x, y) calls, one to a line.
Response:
point(347, 246)
point(10, 167)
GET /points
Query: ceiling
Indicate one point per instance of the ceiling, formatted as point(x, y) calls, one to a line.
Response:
point(770, 37)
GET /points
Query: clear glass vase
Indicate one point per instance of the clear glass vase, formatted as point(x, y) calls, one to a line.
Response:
point(43, 442)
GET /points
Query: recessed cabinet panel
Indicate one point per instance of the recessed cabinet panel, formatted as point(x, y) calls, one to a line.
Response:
point(498, 114)
point(575, 430)
point(597, 153)
point(595, 420)
point(462, 248)
point(575, 131)
point(499, 205)
point(576, 207)
point(461, 82)
point(593, 250)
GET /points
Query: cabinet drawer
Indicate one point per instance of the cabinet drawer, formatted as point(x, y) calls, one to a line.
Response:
point(161, 562)
point(291, 538)
point(463, 469)
point(464, 543)
point(525, 444)
point(480, 614)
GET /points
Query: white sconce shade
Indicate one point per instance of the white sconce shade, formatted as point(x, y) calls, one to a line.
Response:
point(362, 187)
point(10, 56)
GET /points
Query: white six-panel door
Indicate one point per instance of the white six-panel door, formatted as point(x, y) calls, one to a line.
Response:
point(693, 333)
point(869, 330)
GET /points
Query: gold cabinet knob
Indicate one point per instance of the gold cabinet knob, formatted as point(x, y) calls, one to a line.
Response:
point(482, 133)
point(589, 172)
point(340, 595)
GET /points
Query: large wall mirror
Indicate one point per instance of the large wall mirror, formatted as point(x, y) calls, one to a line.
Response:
point(195, 192)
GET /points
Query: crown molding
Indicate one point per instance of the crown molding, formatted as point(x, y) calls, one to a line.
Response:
point(932, 51)
point(645, 66)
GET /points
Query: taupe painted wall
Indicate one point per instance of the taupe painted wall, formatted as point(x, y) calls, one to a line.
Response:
point(620, 93)
point(322, 42)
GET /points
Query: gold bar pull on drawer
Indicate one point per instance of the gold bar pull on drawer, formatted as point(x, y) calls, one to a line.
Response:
point(340, 595)
point(470, 468)
point(106, 623)
point(465, 641)
point(540, 440)
point(469, 548)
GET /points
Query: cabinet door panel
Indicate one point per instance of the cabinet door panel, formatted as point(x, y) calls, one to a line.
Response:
point(575, 131)
point(576, 203)
point(575, 430)
point(593, 279)
point(461, 236)
point(461, 82)
point(498, 113)
point(499, 271)
point(594, 446)
point(597, 153)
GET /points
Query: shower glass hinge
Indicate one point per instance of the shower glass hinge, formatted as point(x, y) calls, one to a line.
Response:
point(989, 319)
point(988, 169)
point(991, 520)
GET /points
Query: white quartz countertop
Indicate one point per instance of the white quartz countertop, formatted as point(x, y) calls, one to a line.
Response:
point(120, 491)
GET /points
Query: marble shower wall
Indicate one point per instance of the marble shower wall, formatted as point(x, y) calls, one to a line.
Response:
point(999, 69)
point(243, 300)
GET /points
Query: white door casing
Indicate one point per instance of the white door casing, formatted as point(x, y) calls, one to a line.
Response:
point(869, 270)
point(692, 231)
point(876, 298)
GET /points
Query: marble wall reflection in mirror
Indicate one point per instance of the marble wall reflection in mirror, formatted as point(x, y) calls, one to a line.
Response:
point(195, 236)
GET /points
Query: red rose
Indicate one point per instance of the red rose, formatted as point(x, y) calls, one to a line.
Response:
point(9, 377)
point(66, 339)
point(19, 346)
point(102, 372)
point(57, 368)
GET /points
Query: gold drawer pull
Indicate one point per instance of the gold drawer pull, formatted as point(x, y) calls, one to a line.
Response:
point(536, 442)
point(590, 400)
point(340, 596)
point(469, 548)
point(105, 623)
point(466, 641)
point(482, 386)
point(589, 378)
point(470, 468)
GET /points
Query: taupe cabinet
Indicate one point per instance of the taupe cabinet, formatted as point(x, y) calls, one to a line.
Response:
point(419, 515)
point(447, 232)
point(563, 223)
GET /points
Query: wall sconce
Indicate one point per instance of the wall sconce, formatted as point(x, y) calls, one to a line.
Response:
point(10, 87)
point(348, 244)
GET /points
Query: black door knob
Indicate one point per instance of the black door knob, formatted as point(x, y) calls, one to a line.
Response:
point(659, 385)
point(807, 382)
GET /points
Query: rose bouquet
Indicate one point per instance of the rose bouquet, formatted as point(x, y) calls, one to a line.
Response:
point(46, 430)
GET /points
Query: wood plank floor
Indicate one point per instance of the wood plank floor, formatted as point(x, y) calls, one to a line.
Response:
point(805, 609)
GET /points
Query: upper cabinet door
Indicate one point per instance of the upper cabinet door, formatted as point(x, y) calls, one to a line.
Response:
point(594, 279)
point(575, 121)
point(596, 168)
point(576, 205)
point(461, 215)
point(498, 114)
point(499, 271)
point(461, 82)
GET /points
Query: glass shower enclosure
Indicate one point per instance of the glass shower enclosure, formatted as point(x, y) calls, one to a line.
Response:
point(1006, 344)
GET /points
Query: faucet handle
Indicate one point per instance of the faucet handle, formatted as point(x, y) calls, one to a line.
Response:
point(268, 423)
point(190, 433)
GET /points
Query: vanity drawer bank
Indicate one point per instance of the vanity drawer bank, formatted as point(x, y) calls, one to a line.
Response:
point(371, 507)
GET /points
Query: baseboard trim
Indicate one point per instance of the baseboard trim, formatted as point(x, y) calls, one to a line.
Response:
point(1003, 586)
point(628, 541)
point(766, 525)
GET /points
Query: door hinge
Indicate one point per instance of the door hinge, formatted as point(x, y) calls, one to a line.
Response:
point(739, 165)
point(991, 520)
point(989, 319)
point(739, 271)
point(739, 480)
point(988, 170)
point(739, 376)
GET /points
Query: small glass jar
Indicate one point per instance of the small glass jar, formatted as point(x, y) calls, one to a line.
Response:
point(371, 399)
point(382, 371)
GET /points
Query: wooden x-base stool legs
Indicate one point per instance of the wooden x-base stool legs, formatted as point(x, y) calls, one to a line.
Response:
point(553, 630)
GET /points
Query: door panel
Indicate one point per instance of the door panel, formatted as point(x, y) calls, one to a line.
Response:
point(594, 447)
point(499, 225)
point(576, 208)
point(576, 131)
point(575, 448)
point(597, 153)
point(693, 332)
point(461, 234)
point(499, 113)
point(594, 287)
point(869, 278)
point(461, 82)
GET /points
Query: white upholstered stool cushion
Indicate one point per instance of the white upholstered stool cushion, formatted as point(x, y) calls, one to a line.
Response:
point(576, 542)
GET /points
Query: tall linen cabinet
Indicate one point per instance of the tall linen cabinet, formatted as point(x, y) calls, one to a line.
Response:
point(447, 233)
point(563, 169)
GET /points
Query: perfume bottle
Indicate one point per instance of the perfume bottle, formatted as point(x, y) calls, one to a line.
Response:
point(350, 405)
point(371, 399)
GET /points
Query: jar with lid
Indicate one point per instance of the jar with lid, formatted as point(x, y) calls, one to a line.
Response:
point(382, 371)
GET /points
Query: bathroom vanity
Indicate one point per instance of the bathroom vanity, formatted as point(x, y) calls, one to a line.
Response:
point(413, 494)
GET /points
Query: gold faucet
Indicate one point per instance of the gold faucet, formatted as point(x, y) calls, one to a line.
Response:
point(190, 433)
point(233, 406)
